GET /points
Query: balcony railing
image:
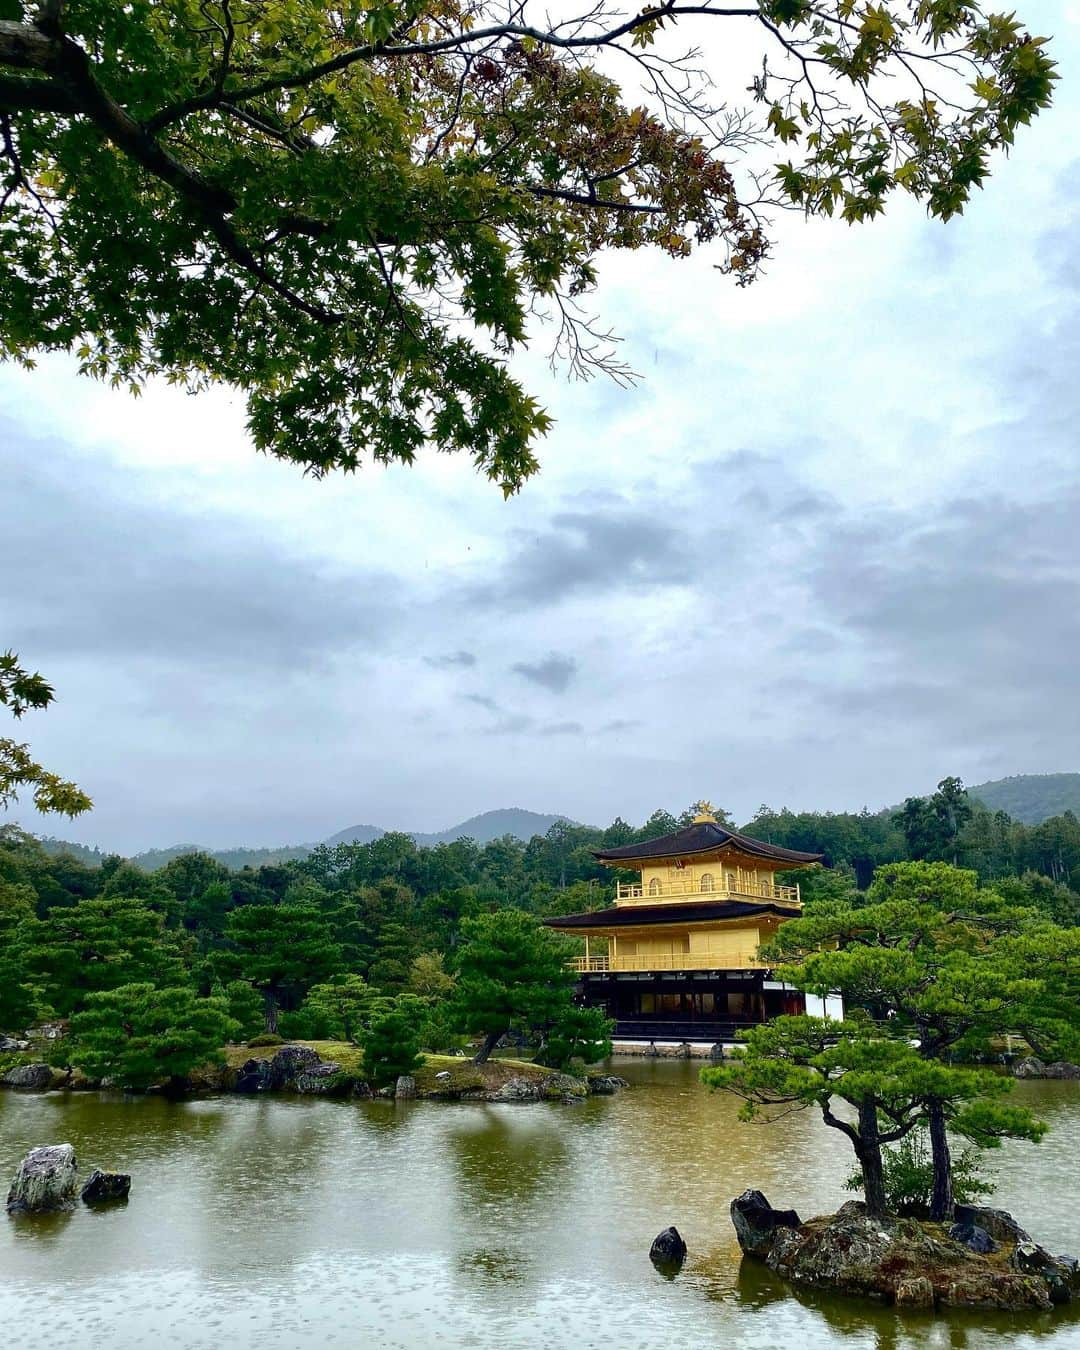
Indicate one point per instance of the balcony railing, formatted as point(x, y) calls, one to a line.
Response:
point(635, 892)
point(744, 959)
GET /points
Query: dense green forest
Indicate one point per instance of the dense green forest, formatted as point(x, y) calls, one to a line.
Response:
point(332, 942)
point(1031, 797)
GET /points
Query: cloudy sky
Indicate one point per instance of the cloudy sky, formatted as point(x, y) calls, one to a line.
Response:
point(822, 555)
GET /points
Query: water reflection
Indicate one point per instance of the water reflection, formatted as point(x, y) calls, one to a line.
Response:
point(289, 1223)
point(43, 1230)
point(892, 1329)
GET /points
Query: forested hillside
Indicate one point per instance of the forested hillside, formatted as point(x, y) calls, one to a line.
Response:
point(391, 914)
point(483, 828)
point(1031, 797)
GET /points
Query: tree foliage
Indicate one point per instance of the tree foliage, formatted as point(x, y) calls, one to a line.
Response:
point(279, 948)
point(21, 690)
point(392, 1043)
point(351, 212)
point(577, 1034)
point(97, 945)
point(909, 1176)
point(344, 1005)
point(140, 1036)
point(932, 951)
point(511, 972)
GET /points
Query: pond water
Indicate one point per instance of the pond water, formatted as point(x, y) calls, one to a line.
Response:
point(299, 1222)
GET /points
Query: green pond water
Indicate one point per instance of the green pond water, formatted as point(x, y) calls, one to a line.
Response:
point(293, 1222)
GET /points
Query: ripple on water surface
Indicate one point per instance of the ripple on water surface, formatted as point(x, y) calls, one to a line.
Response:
point(295, 1223)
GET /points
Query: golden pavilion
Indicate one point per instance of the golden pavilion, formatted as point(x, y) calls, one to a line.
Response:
point(676, 958)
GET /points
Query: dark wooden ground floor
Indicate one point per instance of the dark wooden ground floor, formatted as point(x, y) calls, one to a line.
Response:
point(698, 1005)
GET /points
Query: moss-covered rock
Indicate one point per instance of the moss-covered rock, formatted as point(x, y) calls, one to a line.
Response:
point(918, 1264)
point(45, 1181)
point(29, 1077)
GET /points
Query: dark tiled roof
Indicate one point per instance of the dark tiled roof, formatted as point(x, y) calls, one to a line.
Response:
point(620, 916)
point(701, 839)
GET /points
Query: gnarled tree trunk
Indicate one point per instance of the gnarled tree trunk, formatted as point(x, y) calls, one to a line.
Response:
point(942, 1201)
point(868, 1152)
point(491, 1040)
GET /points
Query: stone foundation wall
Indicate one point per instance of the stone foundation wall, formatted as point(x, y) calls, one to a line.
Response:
point(672, 1049)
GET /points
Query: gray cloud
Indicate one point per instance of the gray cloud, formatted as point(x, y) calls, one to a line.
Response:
point(514, 725)
point(452, 661)
point(554, 672)
point(483, 701)
point(828, 573)
point(967, 624)
point(562, 729)
point(94, 568)
point(608, 550)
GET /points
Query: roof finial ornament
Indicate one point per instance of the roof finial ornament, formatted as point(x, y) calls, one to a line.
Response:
point(705, 814)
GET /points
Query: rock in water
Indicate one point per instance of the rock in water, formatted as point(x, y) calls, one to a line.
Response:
point(320, 1080)
point(45, 1181)
point(517, 1089)
point(851, 1253)
point(668, 1249)
point(30, 1077)
point(291, 1064)
point(1061, 1273)
point(756, 1222)
point(605, 1084)
point(405, 1087)
point(102, 1187)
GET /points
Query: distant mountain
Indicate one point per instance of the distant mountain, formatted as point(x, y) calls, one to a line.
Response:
point(92, 857)
point(356, 834)
point(1031, 797)
point(234, 858)
point(483, 828)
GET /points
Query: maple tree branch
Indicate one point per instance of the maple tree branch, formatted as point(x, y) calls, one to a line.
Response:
point(584, 199)
point(437, 46)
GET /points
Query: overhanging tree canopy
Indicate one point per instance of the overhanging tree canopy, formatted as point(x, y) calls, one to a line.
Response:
point(350, 211)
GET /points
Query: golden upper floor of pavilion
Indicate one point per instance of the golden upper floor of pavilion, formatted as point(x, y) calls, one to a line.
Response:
point(705, 861)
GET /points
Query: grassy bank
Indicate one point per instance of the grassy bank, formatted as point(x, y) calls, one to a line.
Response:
point(465, 1076)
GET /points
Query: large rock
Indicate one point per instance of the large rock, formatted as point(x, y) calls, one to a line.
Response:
point(405, 1087)
point(668, 1249)
point(1061, 1273)
point(889, 1259)
point(756, 1222)
point(318, 1080)
point(1032, 1067)
point(518, 1089)
point(46, 1181)
point(605, 1084)
point(29, 1077)
point(974, 1238)
point(283, 1072)
point(103, 1187)
point(1001, 1225)
point(564, 1087)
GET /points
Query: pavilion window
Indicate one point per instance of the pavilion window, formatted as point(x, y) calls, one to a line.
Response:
point(707, 881)
point(654, 886)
